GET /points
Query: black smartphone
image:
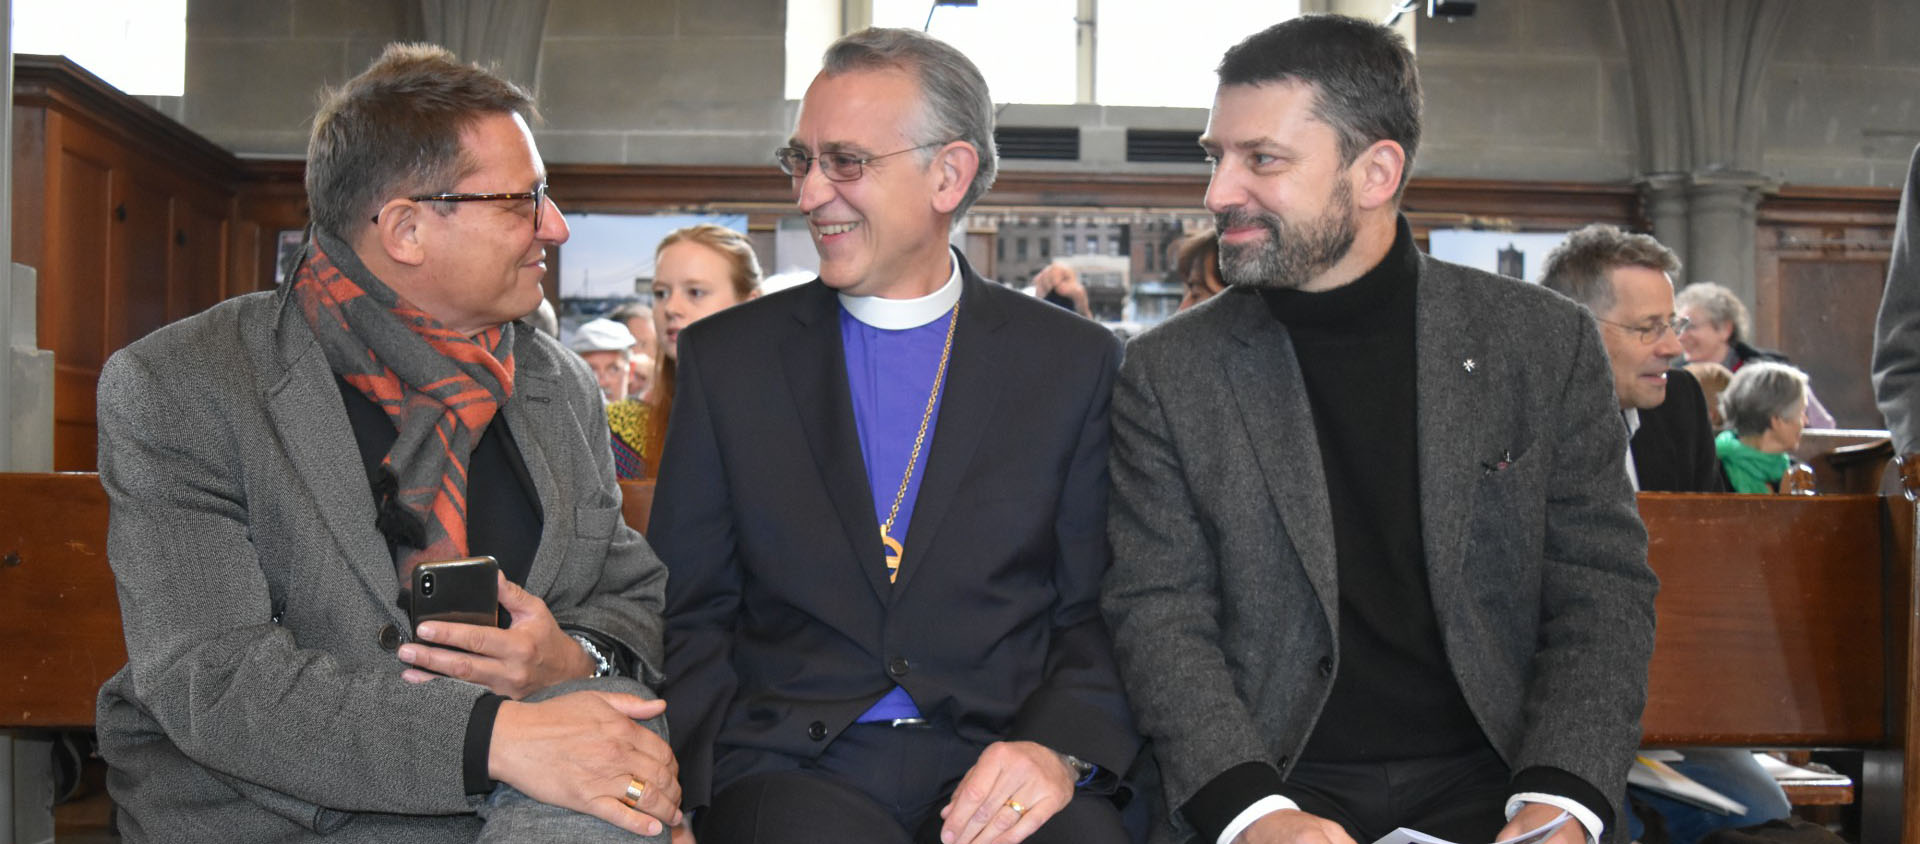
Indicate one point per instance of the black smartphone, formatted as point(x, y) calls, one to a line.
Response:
point(464, 591)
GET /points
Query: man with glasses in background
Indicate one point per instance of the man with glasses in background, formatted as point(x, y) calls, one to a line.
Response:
point(1625, 281)
point(279, 465)
point(883, 504)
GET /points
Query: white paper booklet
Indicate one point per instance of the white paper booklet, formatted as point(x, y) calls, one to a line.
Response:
point(1404, 835)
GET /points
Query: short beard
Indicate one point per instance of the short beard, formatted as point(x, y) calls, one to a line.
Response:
point(1290, 256)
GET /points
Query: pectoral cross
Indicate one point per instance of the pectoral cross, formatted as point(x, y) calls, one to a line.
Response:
point(894, 553)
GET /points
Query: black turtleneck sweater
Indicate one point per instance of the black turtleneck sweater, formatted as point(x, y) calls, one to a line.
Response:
point(1356, 352)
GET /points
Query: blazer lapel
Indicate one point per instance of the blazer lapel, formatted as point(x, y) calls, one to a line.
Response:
point(967, 405)
point(1271, 396)
point(535, 414)
point(816, 369)
point(312, 422)
point(1456, 381)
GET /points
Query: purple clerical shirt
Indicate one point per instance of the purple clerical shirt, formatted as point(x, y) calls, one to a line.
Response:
point(890, 374)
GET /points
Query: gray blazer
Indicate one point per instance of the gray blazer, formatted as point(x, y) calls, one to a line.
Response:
point(1223, 593)
point(262, 700)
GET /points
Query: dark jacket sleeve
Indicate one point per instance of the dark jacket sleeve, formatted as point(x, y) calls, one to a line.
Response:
point(1896, 335)
point(691, 527)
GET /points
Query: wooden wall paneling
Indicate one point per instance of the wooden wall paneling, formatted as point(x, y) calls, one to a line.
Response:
point(142, 224)
point(196, 262)
point(125, 215)
point(1821, 265)
point(74, 292)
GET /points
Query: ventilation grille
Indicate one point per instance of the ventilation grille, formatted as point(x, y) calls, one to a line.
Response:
point(1038, 143)
point(1159, 145)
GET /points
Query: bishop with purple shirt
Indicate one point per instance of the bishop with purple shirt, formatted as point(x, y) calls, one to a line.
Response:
point(790, 653)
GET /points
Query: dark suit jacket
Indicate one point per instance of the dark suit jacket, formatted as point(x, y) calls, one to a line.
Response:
point(1224, 593)
point(261, 699)
point(1673, 450)
point(782, 627)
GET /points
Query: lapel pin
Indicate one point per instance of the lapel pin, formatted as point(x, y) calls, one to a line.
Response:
point(1468, 364)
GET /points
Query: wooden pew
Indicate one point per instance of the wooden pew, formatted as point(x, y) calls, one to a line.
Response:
point(1783, 621)
point(59, 614)
point(1786, 621)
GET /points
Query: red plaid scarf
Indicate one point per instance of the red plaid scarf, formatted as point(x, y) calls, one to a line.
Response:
point(440, 388)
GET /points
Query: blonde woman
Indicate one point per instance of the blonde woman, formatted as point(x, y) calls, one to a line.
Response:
point(697, 271)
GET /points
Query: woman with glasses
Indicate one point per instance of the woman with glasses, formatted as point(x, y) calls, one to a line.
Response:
point(698, 271)
point(1765, 408)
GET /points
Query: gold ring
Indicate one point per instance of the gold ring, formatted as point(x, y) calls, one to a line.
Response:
point(1017, 808)
point(636, 791)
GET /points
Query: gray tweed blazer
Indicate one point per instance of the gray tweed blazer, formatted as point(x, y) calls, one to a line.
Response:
point(1223, 592)
point(262, 700)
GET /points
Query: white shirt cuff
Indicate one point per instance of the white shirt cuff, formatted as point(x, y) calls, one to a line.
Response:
point(1261, 808)
point(1573, 807)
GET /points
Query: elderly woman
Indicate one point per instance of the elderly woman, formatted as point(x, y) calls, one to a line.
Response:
point(1717, 332)
point(1765, 407)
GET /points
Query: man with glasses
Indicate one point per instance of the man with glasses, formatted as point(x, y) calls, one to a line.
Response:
point(1375, 560)
point(1625, 281)
point(884, 523)
point(280, 467)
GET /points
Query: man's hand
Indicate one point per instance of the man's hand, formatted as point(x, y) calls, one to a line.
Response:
point(1534, 815)
point(1291, 826)
point(1008, 773)
point(528, 656)
point(580, 750)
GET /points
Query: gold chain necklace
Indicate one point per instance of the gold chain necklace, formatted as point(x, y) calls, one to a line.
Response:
point(893, 548)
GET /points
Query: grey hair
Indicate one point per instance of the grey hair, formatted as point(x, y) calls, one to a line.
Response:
point(954, 102)
point(1719, 304)
point(1579, 267)
point(1758, 393)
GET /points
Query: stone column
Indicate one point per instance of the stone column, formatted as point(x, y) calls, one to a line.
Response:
point(503, 34)
point(1665, 196)
point(1697, 70)
point(1721, 216)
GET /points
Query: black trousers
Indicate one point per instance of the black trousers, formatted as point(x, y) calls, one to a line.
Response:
point(876, 784)
point(1458, 798)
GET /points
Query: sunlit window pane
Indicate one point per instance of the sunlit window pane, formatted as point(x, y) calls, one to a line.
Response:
point(138, 46)
point(1025, 48)
point(1153, 53)
point(811, 26)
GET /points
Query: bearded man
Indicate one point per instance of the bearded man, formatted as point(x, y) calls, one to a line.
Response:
point(1376, 559)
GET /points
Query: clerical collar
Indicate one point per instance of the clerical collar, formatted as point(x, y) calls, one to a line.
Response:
point(902, 314)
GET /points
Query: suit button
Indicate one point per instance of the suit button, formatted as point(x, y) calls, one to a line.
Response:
point(389, 637)
point(899, 667)
point(1283, 763)
point(817, 730)
point(1326, 666)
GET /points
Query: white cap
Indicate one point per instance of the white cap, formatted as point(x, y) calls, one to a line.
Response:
point(601, 335)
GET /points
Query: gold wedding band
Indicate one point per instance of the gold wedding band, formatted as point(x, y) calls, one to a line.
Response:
point(1017, 808)
point(636, 791)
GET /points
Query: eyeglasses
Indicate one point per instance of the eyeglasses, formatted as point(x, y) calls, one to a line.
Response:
point(1651, 334)
point(836, 166)
point(538, 195)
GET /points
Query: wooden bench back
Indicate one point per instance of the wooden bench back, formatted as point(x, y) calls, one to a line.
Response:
point(1778, 620)
point(59, 613)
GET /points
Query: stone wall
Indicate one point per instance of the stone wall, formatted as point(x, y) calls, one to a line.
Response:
point(1533, 91)
point(1540, 90)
